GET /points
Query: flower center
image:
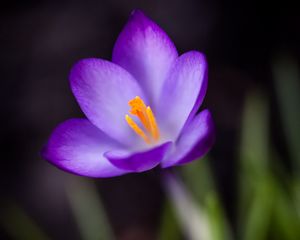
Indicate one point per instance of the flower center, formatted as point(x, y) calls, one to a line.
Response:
point(150, 133)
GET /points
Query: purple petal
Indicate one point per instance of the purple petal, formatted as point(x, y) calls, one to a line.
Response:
point(183, 92)
point(103, 90)
point(145, 51)
point(138, 162)
point(77, 146)
point(196, 140)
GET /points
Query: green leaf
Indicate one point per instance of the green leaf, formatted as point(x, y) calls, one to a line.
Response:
point(286, 218)
point(169, 228)
point(198, 178)
point(287, 86)
point(259, 215)
point(254, 149)
point(192, 218)
point(87, 209)
point(219, 225)
point(255, 190)
point(19, 225)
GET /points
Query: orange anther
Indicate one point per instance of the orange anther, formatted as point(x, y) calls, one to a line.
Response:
point(153, 124)
point(146, 116)
point(137, 129)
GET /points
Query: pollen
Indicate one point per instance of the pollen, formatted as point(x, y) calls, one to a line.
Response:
point(150, 131)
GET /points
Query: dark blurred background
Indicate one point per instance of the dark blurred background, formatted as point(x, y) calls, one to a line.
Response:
point(41, 40)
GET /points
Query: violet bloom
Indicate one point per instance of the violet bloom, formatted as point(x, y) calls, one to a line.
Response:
point(140, 107)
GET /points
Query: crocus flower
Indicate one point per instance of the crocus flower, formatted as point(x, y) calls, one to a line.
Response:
point(140, 107)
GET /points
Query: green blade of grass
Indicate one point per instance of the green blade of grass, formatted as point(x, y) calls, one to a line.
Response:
point(88, 210)
point(198, 179)
point(19, 225)
point(192, 219)
point(219, 225)
point(258, 219)
point(254, 149)
point(287, 86)
point(169, 228)
point(286, 218)
point(255, 191)
point(296, 194)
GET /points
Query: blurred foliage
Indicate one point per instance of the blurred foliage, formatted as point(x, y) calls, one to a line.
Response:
point(18, 224)
point(88, 210)
point(268, 201)
point(198, 179)
point(169, 228)
point(287, 85)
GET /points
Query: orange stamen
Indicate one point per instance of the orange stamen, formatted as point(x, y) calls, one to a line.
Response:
point(138, 108)
point(153, 124)
point(137, 129)
point(146, 117)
